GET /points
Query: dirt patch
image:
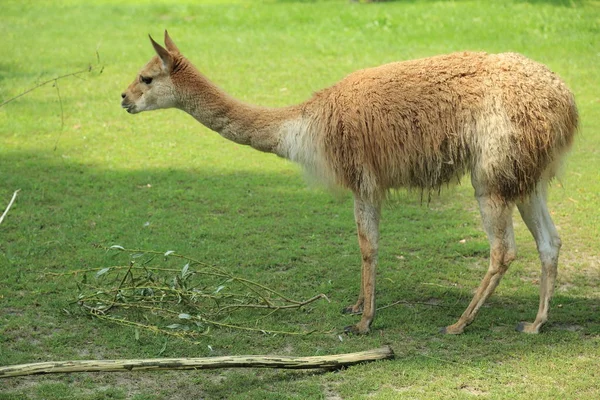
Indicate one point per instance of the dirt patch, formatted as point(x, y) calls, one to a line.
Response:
point(330, 393)
point(576, 264)
point(472, 390)
point(567, 327)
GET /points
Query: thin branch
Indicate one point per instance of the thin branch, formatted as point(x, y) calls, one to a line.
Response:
point(422, 303)
point(274, 307)
point(60, 102)
point(12, 200)
point(151, 328)
point(249, 329)
point(62, 114)
point(88, 69)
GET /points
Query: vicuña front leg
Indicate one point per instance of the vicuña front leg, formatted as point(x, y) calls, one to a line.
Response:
point(367, 223)
point(537, 218)
point(497, 221)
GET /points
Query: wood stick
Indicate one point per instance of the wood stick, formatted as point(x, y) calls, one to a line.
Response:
point(12, 200)
point(287, 362)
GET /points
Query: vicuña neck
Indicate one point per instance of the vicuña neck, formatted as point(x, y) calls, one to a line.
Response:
point(239, 122)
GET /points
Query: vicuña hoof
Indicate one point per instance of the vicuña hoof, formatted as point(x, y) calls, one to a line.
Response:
point(452, 330)
point(527, 327)
point(355, 330)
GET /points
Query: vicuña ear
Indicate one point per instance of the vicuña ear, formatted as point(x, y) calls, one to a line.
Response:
point(170, 44)
point(163, 54)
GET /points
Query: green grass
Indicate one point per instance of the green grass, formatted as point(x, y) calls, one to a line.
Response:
point(93, 174)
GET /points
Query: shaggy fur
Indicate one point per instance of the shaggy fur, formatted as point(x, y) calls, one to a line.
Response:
point(503, 117)
point(416, 124)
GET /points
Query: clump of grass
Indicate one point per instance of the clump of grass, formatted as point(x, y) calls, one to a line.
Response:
point(187, 302)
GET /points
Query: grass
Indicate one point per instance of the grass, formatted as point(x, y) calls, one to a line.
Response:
point(92, 174)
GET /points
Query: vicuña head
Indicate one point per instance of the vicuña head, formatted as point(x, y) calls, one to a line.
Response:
point(417, 124)
point(154, 89)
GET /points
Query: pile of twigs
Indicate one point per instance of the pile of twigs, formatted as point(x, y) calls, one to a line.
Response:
point(187, 302)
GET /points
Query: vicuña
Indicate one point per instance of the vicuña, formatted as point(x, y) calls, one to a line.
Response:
point(416, 124)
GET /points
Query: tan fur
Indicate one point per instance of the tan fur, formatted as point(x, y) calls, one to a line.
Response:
point(416, 124)
point(422, 123)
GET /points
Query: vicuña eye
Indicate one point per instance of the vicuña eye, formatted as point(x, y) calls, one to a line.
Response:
point(146, 80)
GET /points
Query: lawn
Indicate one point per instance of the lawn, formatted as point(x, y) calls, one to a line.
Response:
point(92, 176)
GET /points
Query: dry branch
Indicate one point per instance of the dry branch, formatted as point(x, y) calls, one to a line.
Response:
point(12, 200)
point(53, 80)
point(287, 362)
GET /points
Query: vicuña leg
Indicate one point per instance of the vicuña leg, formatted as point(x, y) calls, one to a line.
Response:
point(496, 214)
point(535, 213)
point(367, 215)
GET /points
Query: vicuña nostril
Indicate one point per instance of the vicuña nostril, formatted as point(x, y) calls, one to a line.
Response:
point(123, 95)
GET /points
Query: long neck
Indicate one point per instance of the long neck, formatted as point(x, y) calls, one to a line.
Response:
point(242, 123)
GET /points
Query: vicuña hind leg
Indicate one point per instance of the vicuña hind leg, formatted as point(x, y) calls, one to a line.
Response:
point(367, 223)
point(497, 221)
point(535, 213)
